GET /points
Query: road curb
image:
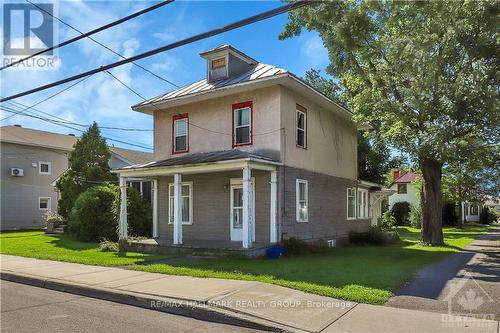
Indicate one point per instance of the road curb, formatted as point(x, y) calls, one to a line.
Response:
point(197, 310)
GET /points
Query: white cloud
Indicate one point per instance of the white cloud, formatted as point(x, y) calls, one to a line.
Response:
point(314, 51)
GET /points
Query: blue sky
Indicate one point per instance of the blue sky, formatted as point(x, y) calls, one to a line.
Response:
point(106, 101)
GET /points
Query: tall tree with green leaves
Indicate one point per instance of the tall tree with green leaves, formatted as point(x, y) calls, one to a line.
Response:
point(427, 71)
point(374, 159)
point(88, 167)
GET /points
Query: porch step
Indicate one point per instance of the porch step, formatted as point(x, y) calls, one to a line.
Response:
point(56, 231)
point(154, 248)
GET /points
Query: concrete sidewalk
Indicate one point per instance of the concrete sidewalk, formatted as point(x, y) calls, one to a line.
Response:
point(479, 262)
point(250, 304)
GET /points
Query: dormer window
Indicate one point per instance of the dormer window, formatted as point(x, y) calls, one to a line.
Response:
point(218, 69)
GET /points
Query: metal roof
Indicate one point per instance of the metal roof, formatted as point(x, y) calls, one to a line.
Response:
point(197, 158)
point(258, 71)
point(408, 177)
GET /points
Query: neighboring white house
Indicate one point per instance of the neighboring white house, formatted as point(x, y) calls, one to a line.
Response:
point(471, 211)
point(404, 188)
point(31, 162)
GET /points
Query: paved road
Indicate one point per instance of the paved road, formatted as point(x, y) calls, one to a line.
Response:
point(466, 283)
point(31, 309)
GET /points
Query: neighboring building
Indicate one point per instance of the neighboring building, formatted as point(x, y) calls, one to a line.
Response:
point(404, 188)
point(31, 162)
point(493, 204)
point(251, 155)
point(471, 211)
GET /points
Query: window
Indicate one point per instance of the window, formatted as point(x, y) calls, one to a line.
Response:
point(186, 203)
point(44, 168)
point(362, 204)
point(218, 69)
point(402, 189)
point(302, 197)
point(351, 203)
point(301, 136)
point(219, 63)
point(474, 210)
point(44, 203)
point(242, 124)
point(180, 133)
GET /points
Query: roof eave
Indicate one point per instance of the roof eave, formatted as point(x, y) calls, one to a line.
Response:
point(263, 82)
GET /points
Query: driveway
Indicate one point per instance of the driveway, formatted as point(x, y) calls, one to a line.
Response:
point(466, 283)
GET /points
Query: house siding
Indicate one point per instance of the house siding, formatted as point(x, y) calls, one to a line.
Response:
point(211, 124)
point(19, 195)
point(327, 207)
point(211, 206)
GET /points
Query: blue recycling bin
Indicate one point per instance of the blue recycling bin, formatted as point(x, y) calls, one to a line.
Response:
point(275, 252)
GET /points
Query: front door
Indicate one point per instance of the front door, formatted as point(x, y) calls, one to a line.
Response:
point(236, 213)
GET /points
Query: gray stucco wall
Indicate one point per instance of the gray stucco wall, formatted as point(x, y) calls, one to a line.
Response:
point(327, 207)
point(211, 206)
point(19, 195)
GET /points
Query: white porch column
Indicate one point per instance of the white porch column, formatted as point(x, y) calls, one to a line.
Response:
point(155, 208)
point(177, 209)
point(122, 233)
point(247, 207)
point(273, 237)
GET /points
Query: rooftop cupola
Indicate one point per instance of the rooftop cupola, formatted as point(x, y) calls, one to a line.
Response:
point(225, 61)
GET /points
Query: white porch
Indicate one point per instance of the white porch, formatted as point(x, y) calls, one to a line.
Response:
point(245, 170)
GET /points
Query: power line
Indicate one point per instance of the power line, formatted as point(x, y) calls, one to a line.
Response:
point(14, 103)
point(188, 122)
point(59, 123)
point(211, 33)
point(104, 46)
point(83, 35)
point(49, 97)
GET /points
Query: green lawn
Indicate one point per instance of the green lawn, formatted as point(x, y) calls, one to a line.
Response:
point(36, 244)
point(366, 274)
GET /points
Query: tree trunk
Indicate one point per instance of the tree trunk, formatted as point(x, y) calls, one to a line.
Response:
point(432, 233)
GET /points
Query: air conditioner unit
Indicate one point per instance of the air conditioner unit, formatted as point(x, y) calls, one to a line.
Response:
point(16, 172)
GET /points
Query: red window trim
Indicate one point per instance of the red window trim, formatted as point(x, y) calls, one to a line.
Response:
point(247, 104)
point(174, 119)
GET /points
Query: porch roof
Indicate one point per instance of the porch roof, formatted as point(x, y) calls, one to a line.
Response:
point(215, 159)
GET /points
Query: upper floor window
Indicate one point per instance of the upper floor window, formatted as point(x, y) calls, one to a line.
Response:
point(302, 197)
point(351, 203)
point(218, 68)
point(242, 124)
point(301, 135)
point(402, 189)
point(44, 168)
point(180, 133)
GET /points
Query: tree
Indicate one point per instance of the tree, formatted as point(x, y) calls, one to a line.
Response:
point(426, 71)
point(88, 167)
point(374, 159)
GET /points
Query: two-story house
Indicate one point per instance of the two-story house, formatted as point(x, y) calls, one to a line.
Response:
point(404, 188)
point(31, 162)
point(250, 155)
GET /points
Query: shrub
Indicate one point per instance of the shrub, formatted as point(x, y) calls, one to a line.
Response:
point(108, 246)
point(51, 217)
point(487, 216)
point(401, 212)
point(450, 216)
point(387, 221)
point(374, 236)
point(294, 246)
point(416, 216)
point(139, 214)
point(91, 217)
